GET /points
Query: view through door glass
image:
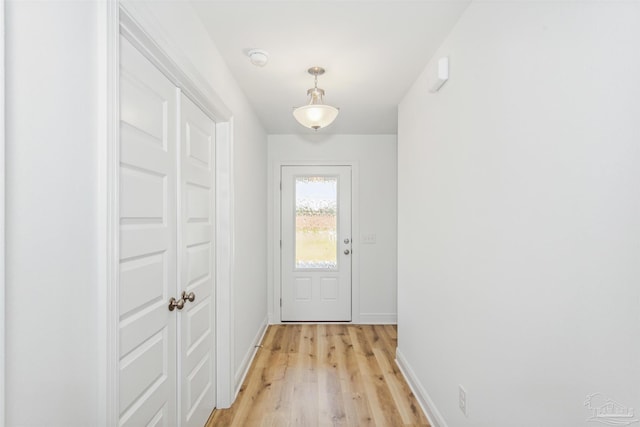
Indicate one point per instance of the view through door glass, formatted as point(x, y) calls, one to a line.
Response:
point(316, 222)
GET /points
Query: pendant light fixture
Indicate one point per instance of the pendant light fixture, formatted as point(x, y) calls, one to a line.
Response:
point(315, 114)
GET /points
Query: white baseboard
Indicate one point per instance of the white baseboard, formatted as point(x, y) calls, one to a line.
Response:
point(243, 369)
point(378, 318)
point(364, 319)
point(427, 405)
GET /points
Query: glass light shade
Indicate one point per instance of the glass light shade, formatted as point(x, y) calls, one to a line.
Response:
point(315, 116)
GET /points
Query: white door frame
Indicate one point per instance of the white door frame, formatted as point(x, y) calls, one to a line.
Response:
point(116, 19)
point(2, 243)
point(276, 318)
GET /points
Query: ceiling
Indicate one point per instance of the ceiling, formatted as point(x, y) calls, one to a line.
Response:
point(372, 52)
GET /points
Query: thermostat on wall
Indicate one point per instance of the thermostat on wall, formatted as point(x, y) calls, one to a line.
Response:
point(440, 75)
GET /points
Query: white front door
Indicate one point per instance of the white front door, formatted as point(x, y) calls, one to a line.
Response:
point(197, 343)
point(148, 230)
point(316, 243)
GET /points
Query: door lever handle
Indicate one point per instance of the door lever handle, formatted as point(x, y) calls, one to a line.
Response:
point(173, 304)
point(188, 296)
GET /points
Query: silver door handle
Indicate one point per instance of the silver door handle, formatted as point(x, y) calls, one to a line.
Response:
point(188, 296)
point(347, 251)
point(173, 304)
point(346, 241)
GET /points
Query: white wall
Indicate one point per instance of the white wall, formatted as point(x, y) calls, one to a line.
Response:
point(519, 215)
point(51, 214)
point(52, 198)
point(179, 23)
point(375, 156)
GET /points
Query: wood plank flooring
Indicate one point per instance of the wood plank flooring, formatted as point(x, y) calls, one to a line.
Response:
point(324, 375)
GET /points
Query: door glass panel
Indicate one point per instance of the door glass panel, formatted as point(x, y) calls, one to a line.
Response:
point(316, 222)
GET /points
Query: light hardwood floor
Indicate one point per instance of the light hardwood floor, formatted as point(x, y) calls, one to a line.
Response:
point(324, 375)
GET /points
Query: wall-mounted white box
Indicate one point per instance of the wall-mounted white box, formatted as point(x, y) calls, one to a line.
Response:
point(439, 75)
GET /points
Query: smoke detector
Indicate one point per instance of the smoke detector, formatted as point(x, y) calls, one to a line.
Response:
point(258, 57)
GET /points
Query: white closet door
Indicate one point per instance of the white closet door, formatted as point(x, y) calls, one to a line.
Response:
point(147, 329)
point(197, 319)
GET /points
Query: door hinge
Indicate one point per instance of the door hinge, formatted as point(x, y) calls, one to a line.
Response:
point(280, 243)
point(280, 302)
point(280, 185)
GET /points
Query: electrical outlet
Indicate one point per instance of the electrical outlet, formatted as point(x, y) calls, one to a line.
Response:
point(462, 399)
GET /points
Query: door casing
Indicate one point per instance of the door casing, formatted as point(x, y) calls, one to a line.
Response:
point(274, 291)
point(115, 19)
point(2, 242)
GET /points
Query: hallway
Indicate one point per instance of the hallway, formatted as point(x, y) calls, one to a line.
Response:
point(494, 152)
point(324, 375)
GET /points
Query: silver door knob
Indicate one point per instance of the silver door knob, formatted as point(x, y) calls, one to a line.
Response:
point(188, 296)
point(173, 304)
point(346, 241)
point(347, 251)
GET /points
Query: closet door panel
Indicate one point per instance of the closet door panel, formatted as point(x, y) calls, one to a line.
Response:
point(148, 241)
point(197, 344)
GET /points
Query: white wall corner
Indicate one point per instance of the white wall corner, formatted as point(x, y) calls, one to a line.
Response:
point(243, 369)
point(378, 319)
point(428, 407)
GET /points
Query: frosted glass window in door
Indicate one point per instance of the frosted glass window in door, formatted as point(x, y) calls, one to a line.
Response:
point(316, 224)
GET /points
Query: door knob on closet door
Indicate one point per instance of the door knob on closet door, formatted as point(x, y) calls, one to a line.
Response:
point(347, 251)
point(173, 304)
point(188, 296)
